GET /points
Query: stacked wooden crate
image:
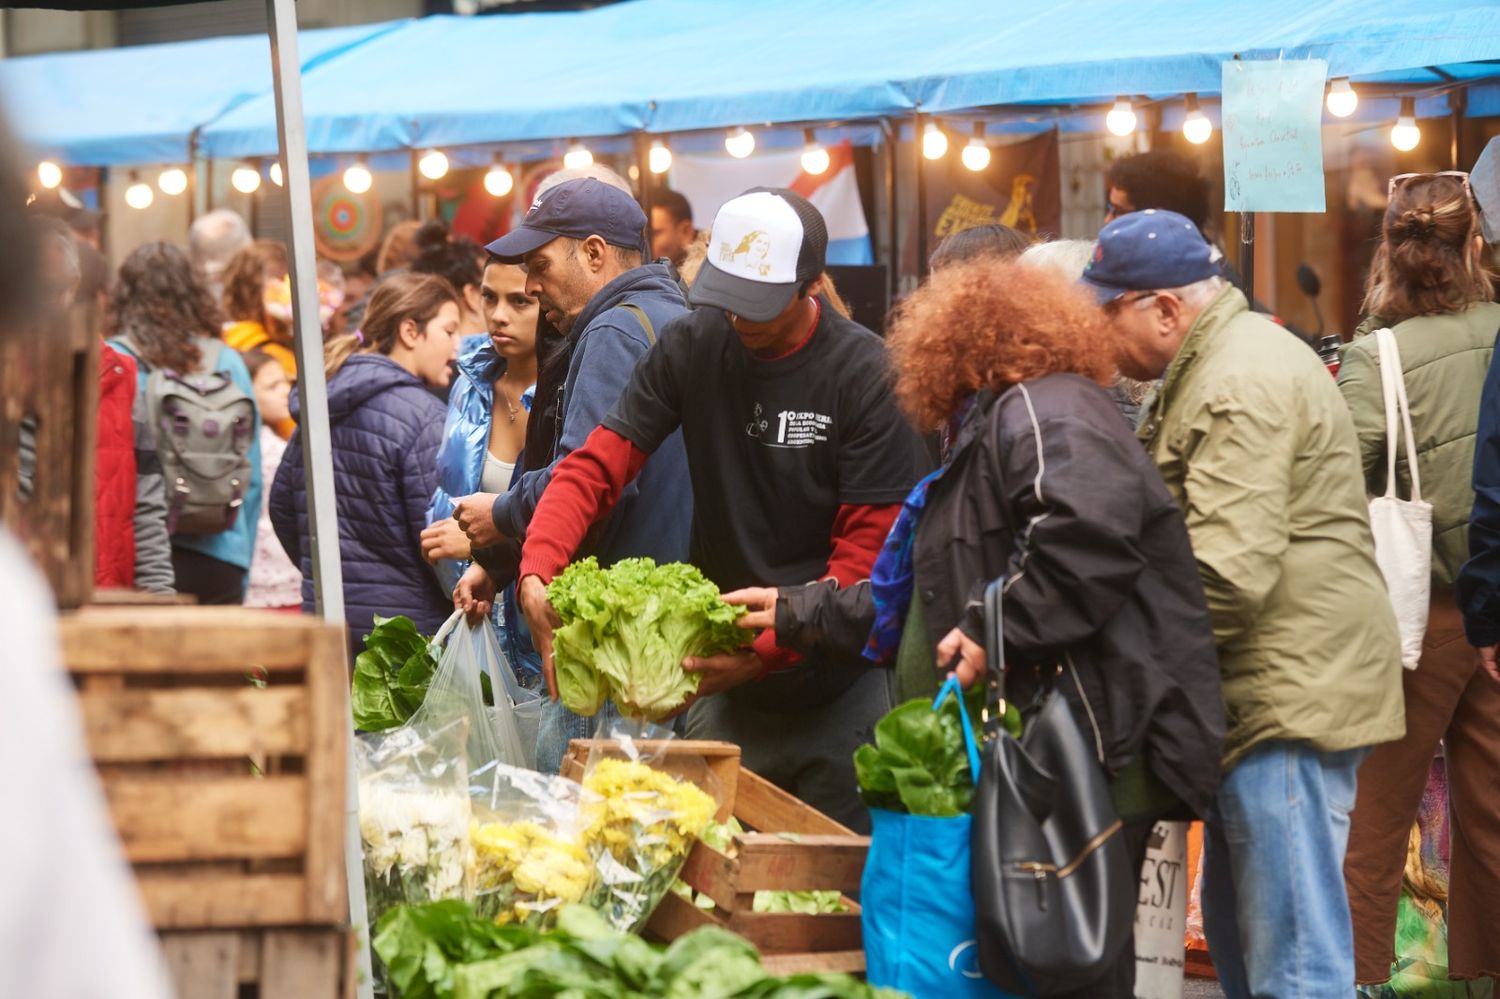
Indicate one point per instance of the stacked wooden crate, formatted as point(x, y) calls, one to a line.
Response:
point(221, 737)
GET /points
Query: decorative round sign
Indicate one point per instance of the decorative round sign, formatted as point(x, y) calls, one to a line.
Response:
point(346, 226)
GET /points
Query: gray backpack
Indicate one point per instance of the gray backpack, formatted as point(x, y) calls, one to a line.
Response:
point(205, 427)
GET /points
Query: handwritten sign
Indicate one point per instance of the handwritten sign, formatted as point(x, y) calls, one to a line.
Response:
point(1273, 135)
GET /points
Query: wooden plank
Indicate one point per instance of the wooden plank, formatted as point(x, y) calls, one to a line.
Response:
point(301, 964)
point(230, 900)
point(183, 639)
point(138, 598)
point(768, 862)
point(327, 776)
point(205, 723)
point(786, 932)
point(849, 962)
point(711, 872)
point(765, 807)
point(676, 916)
point(166, 817)
point(203, 965)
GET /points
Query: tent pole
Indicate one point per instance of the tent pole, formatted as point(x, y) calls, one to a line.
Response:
point(643, 171)
point(1247, 253)
point(1458, 103)
point(416, 188)
point(892, 132)
point(916, 146)
point(317, 456)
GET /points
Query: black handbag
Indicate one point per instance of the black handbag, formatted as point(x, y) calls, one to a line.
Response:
point(1054, 893)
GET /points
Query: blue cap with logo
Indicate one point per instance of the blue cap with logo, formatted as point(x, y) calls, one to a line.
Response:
point(577, 209)
point(1148, 251)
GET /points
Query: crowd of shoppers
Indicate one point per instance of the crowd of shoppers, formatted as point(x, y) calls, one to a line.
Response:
point(1171, 488)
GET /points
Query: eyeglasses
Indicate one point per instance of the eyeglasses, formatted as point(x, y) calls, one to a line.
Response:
point(1115, 306)
point(1402, 178)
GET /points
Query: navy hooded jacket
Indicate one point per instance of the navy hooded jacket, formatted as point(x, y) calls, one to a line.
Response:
point(385, 428)
point(654, 516)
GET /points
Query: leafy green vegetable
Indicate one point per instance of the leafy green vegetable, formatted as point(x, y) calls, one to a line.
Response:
point(391, 674)
point(441, 950)
point(918, 763)
point(626, 630)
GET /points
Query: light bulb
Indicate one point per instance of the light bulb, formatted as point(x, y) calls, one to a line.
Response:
point(660, 157)
point(358, 179)
point(246, 179)
point(138, 195)
point(1121, 118)
point(934, 141)
point(1405, 135)
point(1197, 129)
point(276, 176)
point(433, 164)
point(1342, 100)
point(577, 157)
point(740, 143)
point(499, 181)
point(49, 173)
point(976, 155)
point(173, 181)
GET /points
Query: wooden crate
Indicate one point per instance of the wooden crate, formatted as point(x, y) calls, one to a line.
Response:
point(49, 391)
point(791, 847)
point(221, 737)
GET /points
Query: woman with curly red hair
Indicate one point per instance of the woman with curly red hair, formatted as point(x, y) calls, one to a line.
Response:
point(1046, 488)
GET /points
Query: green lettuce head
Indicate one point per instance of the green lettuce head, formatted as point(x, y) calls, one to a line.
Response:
point(626, 630)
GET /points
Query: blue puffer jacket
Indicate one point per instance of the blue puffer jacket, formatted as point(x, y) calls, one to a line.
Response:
point(466, 435)
point(386, 428)
point(654, 515)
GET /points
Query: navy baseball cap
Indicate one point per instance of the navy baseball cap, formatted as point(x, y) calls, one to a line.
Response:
point(577, 209)
point(1148, 251)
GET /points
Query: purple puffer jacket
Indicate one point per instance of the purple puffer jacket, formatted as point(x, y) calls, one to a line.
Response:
point(386, 427)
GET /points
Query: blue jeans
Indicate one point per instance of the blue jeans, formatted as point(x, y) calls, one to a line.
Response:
point(1274, 908)
point(559, 726)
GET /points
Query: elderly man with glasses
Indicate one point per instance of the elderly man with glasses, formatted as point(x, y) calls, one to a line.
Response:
point(1257, 447)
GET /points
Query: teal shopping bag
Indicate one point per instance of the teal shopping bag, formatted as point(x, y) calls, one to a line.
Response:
point(917, 909)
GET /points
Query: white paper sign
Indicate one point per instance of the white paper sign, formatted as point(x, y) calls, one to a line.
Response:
point(1273, 135)
point(1160, 913)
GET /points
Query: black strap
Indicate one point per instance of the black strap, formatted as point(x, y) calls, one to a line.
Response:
point(994, 656)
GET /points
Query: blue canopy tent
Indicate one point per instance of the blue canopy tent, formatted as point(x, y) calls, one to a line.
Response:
point(141, 104)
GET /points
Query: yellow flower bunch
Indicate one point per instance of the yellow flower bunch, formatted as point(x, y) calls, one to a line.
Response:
point(531, 869)
point(642, 810)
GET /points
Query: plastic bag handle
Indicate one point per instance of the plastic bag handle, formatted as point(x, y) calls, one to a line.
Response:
point(951, 686)
point(447, 629)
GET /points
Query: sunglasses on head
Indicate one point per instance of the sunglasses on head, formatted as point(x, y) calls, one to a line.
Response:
point(1402, 178)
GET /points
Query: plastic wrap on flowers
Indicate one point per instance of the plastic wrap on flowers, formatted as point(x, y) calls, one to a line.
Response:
point(414, 816)
point(645, 811)
point(529, 855)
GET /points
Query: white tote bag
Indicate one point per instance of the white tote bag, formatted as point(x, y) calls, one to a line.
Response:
point(1402, 527)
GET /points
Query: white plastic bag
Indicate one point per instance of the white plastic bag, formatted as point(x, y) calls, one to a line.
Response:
point(1402, 528)
point(456, 691)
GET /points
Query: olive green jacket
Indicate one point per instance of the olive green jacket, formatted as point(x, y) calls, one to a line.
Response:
point(1258, 449)
point(1444, 360)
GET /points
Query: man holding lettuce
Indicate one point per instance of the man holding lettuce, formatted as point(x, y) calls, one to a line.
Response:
point(799, 461)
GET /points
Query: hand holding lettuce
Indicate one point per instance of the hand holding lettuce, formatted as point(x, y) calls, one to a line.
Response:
point(626, 630)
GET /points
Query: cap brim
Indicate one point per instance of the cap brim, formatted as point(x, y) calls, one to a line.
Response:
point(1103, 293)
point(752, 300)
point(514, 245)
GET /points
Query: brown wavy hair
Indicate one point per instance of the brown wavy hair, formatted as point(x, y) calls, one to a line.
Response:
point(1428, 261)
point(403, 296)
point(989, 324)
point(160, 301)
point(245, 281)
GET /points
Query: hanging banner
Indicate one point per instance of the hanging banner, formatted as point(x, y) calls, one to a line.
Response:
point(1020, 188)
point(709, 181)
point(1160, 911)
point(1273, 135)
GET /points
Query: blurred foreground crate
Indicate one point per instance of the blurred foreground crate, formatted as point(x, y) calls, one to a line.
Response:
point(220, 736)
point(49, 390)
point(788, 846)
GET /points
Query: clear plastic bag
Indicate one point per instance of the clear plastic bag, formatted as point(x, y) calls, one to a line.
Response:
point(646, 808)
point(526, 705)
point(456, 691)
point(414, 816)
point(529, 854)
